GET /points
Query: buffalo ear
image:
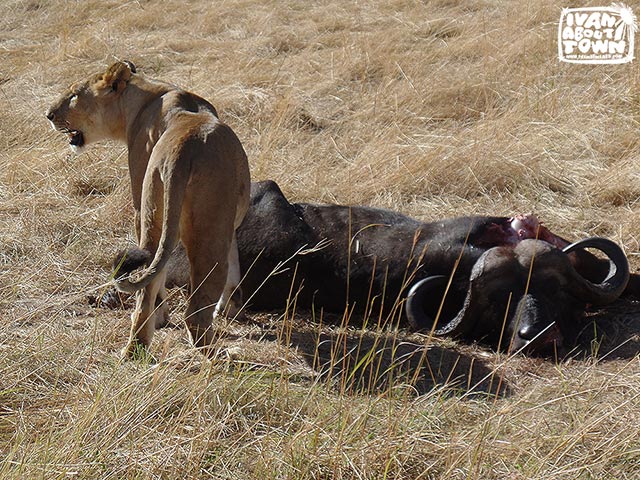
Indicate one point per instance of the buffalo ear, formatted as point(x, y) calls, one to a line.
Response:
point(116, 77)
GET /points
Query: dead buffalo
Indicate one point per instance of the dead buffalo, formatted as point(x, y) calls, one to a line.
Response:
point(472, 274)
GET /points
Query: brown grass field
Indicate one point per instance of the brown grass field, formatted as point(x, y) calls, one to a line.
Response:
point(433, 108)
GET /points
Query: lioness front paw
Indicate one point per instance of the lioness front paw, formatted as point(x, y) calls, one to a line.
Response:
point(137, 352)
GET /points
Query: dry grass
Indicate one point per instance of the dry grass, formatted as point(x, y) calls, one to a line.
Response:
point(433, 108)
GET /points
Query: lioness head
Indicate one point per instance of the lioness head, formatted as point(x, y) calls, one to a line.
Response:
point(90, 109)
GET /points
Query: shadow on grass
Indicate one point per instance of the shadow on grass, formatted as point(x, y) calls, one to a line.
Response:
point(612, 332)
point(368, 362)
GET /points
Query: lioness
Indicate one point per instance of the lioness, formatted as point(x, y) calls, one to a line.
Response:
point(189, 181)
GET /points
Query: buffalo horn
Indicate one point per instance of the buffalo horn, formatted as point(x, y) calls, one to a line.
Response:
point(616, 281)
point(418, 317)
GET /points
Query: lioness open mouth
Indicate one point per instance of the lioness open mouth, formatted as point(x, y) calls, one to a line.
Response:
point(76, 138)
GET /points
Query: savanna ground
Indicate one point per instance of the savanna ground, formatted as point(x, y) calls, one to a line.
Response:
point(433, 108)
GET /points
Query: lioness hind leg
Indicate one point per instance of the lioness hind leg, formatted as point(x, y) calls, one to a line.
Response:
point(208, 258)
point(207, 287)
point(162, 309)
point(230, 302)
point(143, 319)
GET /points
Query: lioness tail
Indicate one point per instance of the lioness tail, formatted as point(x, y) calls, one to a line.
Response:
point(126, 261)
point(174, 188)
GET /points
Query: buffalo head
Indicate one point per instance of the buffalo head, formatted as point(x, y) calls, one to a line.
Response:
point(527, 297)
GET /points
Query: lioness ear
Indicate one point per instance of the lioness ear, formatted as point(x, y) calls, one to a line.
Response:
point(132, 67)
point(116, 77)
